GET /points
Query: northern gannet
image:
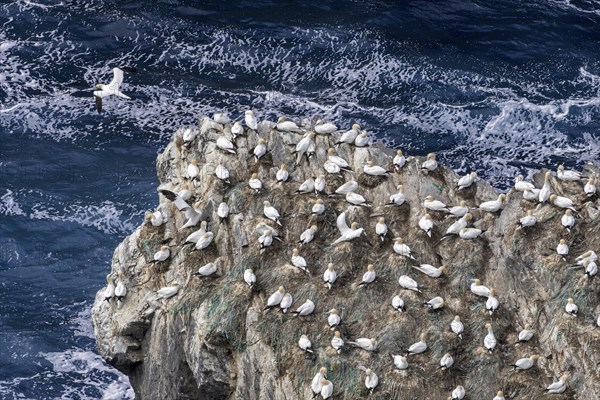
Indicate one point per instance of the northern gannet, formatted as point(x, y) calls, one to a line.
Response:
point(337, 342)
point(168, 291)
point(305, 344)
point(562, 249)
point(400, 361)
point(371, 380)
point(362, 140)
point(237, 129)
point(489, 341)
point(109, 292)
point(523, 364)
point(162, 254)
point(499, 396)
point(260, 149)
point(282, 174)
point(418, 347)
point(185, 193)
point(250, 120)
point(369, 276)
point(308, 235)
point(206, 270)
point(222, 173)
point(331, 168)
point(305, 309)
point(571, 308)
point(226, 145)
point(286, 302)
point(249, 277)
point(399, 160)
point(591, 270)
point(193, 170)
point(189, 135)
point(207, 125)
point(265, 240)
point(261, 228)
point(298, 261)
point(398, 303)
point(430, 270)
point(304, 146)
point(478, 289)
point(120, 289)
point(193, 214)
point(402, 249)
point(221, 118)
point(426, 224)
point(459, 211)
point(381, 228)
point(567, 175)
point(349, 136)
point(469, 233)
point(458, 393)
point(590, 187)
point(437, 303)
point(492, 302)
point(528, 220)
point(337, 160)
point(531, 194)
point(558, 387)
point(286, 126)
point(562, 202)
point(204, 240)
point(397, 199)
point(374, 170)
point(194, 236)
point(275, 298)
point(155, 218)
point(434, 205)
point(494, 205)
point(430, 164)
point(113, 88)
point(324, 128)
point(223, 212)
point(446, 362)
point(365, 344)
point(320, 184)
point(348, 233)
point(522, 185)
point(326, 389)
point(255, 183)
point(316, 384)
point(457, 326)
point(350, 186)
point(466, 181)
point(306, 187)
point(329, 276)
point(334, 319)
point(545, 191)
point(356, 199)
point(526, 334)
point(318, 208)
point(588, 254)
point(455, 228)
point(271, 212)
point(406, 282)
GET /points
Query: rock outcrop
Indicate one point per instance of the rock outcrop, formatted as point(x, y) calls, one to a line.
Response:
point(213, 340)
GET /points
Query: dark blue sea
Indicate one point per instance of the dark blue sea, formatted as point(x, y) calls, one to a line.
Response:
point(500, 87)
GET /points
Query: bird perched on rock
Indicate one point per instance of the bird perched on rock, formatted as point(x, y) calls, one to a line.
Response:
point(298, 261)
point(329, 276)
point(492, 302)
point(571, 308)
point(371, 380)
point(397, 199)
point(206, 270)
point(365, 344)
point(437, 303)
point(526, 334)
point(249, 277)
point(494, 205)
point(349, 136)
point(282, 174)
point(528, 220)
point(558, 387)
point(458, 393)
point(430, 164)
point(318, 208)
point(398, 304)
point(446, 362)
point(275, 298)
point(418, 347)
point(406, 282)
point(430, 270)
point(466, 181)
point(308, 235)
point(369, 276)
point(348, 233)
point(381, 228)
point(426, 224)
point(286, 302)
point(305, 344)
point(400, 361)
point(567, 175)
point(250, 120)
point(316, 383)
point(523, 364)
point(434, 205)
point(457, 326)
point(337, 342)
point(334, 319)
point(399, 160)
point(490, 339)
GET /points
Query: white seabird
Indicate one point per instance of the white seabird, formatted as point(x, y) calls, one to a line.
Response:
point(337, 342)
point(562, 202)
point(193, 170)
point(371, 380)
point(562, 249)
point(249, 277)
point(155, 218)
point(193, 214)
point(430, 270)
point(324, 128)
point(271, 212)
point(402, 249)
point(400, 361)
point(223, 211)
point(398, 303)
point(571, 308)
point(521, 185)
point(162, 254)
point(168, 291)
point(250, 120)
point(531, 194)
point(434, 205)
point(478, 289)
point(329, 276)
point(374, 170)
point(567, 175)
point(365, 344)
point(399, 160)
point(545, 191)
point(318, 208)
point(334, 319)
point(282, 174)
point(261, 228)
point(260, 149)
point(316, 384)
point(456, 227)
point(204, 240)
point(306, 187)
point(286, 302)
point(221, 118)
point(350, 186)
point(558, 387)
point(526, 334)
point(459, 211)
point(381, 228)
point(284, 125)
point(109, 292)
point(113, 88)
point(418, 347)
point(469, 233)
point(457, 326)
point(397, 199)
point(331, 168)
point(206, 270)
point(305, 344)
point(320, 184)
point(298, 261)
point(523, 364)
point(493, 205)
point(326, 389)
point(337, 160)
point(185, 193)
point(189, 135)
point(446, 362)
point(348, 233)
point(120, 289)
point(590, 187)
point(369, 276)
point(237, 129)
point(222, 173)
point(207, 125)
point(304, 146)
point(406, 282)
point(499, 396)
point(305, 309)
point(492, 302)
point(308, 235)
point(458, 393)
point(430, 164)
point(489, 341)
point(591, 270)
point(437, 303)
point(226, 145)
point(466, 181)
point(349, 136)
point(195, 236)
point(362, 140)
point(588, 254)
point(528, 220)
point(356, 199)
point(265, 240)
point(426, 224)
point(275, 298)
point(255, 183)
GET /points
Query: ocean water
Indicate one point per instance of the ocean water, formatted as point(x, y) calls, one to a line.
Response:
point(499, 87)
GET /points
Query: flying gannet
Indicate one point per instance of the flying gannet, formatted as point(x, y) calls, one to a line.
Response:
point(260, 149)
point(400, 361)
point(434, 205)
point(399, 160)
point(397, 199)
point(466, 181)
point(349, 136)
point(381, 228)
point(348, 233)
point(457, 326)
point(271, 212)
point(523, 364)
point(249, 277)
point(426, 224)
point(282, 174)
point(206, 270)
point(558, 387)
point(418, 347)
point(337, 342)
point(571, 308)
point(402, 249)
point(308, 235)
point(305, 309)
point(446, 362)
point(489, 341)
point(329, 276)
point(365, 344)
point(250, 120)
point(185, 193)
point(528, 220)
point(162, 254)
point(275, 298)
point(334, 319)
point(324, 128)
point(318, 208)
point(492, 206)
point(398, 304)
point(298, 261)
point(109, 292)
point(305, 344)
point(430, 270)
point(286, 302)
point(193, 214)
point(492, 302)
point(113, 88)
point(406, 282)
point(369, 276)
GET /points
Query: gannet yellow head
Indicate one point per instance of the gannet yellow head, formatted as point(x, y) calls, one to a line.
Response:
point(268, 232)
point(502, 197)
point(254, 175)
point(552, 197)
point(333, 311)
point(457, 318)
point(354, 226)
point(422, 337)
point(564, 378)
point(399, 187)
point(431, 156)
point(492, 292)
point(319, 122)
point(108, 279)
point(562, 241)
point(163, 248)
point(336, 334)
point(399, 153)
point(324, 382)
point(500, 393)
point(330, 267)
point(427, 216)
point(266, 204)
point(443, 268)
point(262, 141)
point(249, 113)
point(330, 151)
point(569, 212)
point(295, 252)
point(281, 119)
point(529, 213)
point(570, 300)
point(381, 220)
point(364, 133)
point(313, 228)
point(373, 342)
point(281, 290)
point(356, 127)
point(468, 216)
point(100, 86)
point(488, 326)
point(560, 168)
point(282, 167)
point(477, 282)
point(319, 201)
point(473, 174)
point(323, 371)
point(194, 161)
point(429, 198)
point(527, 327)
point(534, 357)
point(370, 267)
point(548, 175)
point(369, 163)
point(368, 371)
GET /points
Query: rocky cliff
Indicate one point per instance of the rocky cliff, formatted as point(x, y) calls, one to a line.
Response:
point(213, 340)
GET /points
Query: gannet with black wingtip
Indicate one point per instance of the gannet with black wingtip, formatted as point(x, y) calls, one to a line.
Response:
point(284, 125)
point(194, 236)
point(446, 362)
point(316, 384)
point(261, 228)
point(545, 191)
point(265, 240)
point(320, 184)
point(365, 344)
point(162, 254)
point(362, 140)
point(155, 218)
point(120, 289)
point(567, 175)
point(369, 276)
point(590, 187)
point(349, 136)
point(571, 308)
point(226, 145)
point(304, 146)
point(469, 233)
point(562, 202)
point(397, 199)
point(558, 387)
point(326, 389)
point(459, 211)
point(250, 120)
point(306, 187)
point(523, 364)
point(562, 249)
point(305, 309)
point(282, 174)
point(437, 303)
point(356, 199)
point(371, 380)
point(499, 396)
point(434, 205)
point(329, 276)
point(275, 298)
point(305, 344)
point(193, 214)
point(249, 277)
point(168, 291)
point(324, 128)
point(337, 160)
point(489, 341)
point(255, 183)
point(237, 129)
point(399, 160)
point(113, 88)
point(531, 194)
point(398, 303)
point(458, 393)
point(493, 205)
point(455, 228)
point(402, 249)
point(271, 212)
point(478, 289)
point(286, 302)
point(308, 235)
point(334, 319)
point(426, 224)
point(222, 173)
point(348, 233)
point(430, 270)
point(374, 170)
point(260, 149)
point(588, 254)
point(406, 282)
point(526, 334)
point(466, 181)
point(206, 270)
point(298, 261)
point(192, 169)
point(591, 270)
point(204, 240)
point(109, 292)
point(223, 212)
point(381, 228)
point(430, 164)
point(528, 220)
point(318, 208)
point(492, 302)
point(521, 185)
point(337, 342)
point(350, 186)
point(457, 326)
point(418, 347)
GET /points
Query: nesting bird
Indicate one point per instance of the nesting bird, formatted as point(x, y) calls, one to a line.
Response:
point(399, 160)
point(437, 303)
point(418, 347)
point(558, 387)
point(334, 319)
point(571, 308)
point(318, 208)
point(446, 362)
point(430, 164)
point(275, 298)
point(282, 174)
point(434, 205)
point(397, 199)
point(430, 270)
point(402, 249)
point(329, 276)
point(206, 270)
point(526, 334)
point(350, 135)
point(381, 228)
point(365, 344)
point(523, 364)
point(255, 183)
point(489, 341)
point(337, 342)
point(457, 326)
point(298, 261)
point(494, 205)
point(162, 254)
point(308, 235)
point(398, 303)
point(492, 302)
point(374, 170)
point(426, 224)
point(466, 181)
point(406, 282)
point(369, 276)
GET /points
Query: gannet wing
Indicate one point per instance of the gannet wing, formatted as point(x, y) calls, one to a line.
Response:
point(341, 223)
point(179, 202)
point(117, 79)
point(98, 103)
